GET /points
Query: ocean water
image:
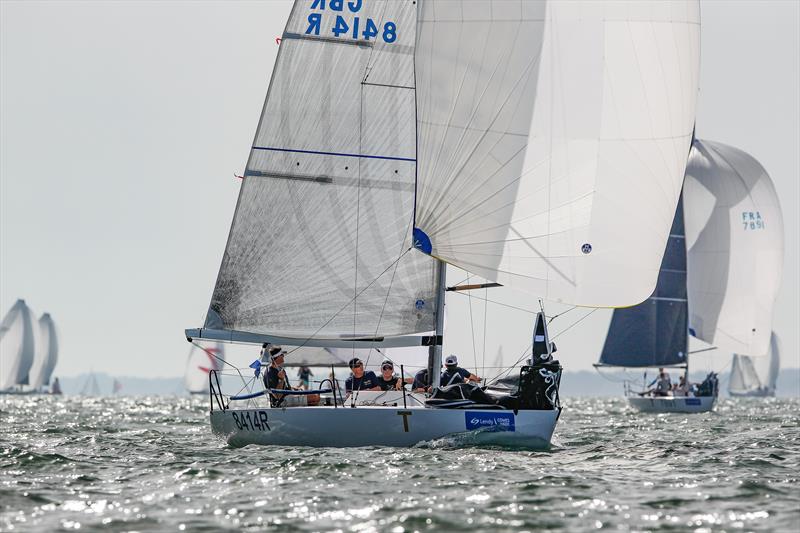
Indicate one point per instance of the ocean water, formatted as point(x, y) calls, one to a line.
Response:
point(151, 464)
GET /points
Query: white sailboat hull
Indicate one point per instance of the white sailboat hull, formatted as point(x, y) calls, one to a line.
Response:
point(756, 393)
point(383, 426)
point(672, 404)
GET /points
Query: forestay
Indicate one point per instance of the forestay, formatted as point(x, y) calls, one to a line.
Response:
point(318, 243)
point(654, 333)
point(16, 345)
point(734, 231)
point(553, 138)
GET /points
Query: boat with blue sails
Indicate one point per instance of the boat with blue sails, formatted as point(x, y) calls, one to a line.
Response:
point(717, 283)
point(539, 146)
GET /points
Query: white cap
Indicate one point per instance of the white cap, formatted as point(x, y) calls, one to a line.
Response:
point(451, 360)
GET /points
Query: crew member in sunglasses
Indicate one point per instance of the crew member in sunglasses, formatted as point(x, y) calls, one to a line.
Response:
point(387, 380)
point(360, 379)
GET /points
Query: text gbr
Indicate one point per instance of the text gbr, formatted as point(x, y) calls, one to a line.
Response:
point(347, 25)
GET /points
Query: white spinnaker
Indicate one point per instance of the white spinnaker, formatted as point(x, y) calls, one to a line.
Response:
point(49, 338)
point(553, 138)
point(45, 353)
point(16, 346)
point(774, 361)
point(202, 359)
point(744, 377)
point(735, 253)
point(325, 209)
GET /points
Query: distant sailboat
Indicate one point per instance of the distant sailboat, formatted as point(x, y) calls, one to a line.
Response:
point(718, 279)
point(748, 380)
point(46, 354)
point(18, 349)
point(90, 386)
point(538, 145)
point(201, 361)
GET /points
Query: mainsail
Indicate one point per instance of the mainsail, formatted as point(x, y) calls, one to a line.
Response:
point(553, 139)
point(734, 229)
point(17, 344)
point(319, 243)
point(201, 361)
point(654, 333)
point(45, 354)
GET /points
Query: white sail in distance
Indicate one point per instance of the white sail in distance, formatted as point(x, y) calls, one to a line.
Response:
point(734, 232)
point(45, 353)
point(319, 242)
point(17, 345)
point(201, 361)
point(48, 338)
point(553, 139)
point(755, 375)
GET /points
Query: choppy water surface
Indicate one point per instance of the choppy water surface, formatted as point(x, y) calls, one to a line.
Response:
point(152, 464)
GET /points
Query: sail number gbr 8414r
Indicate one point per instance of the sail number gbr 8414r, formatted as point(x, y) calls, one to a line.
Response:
point(347, 25)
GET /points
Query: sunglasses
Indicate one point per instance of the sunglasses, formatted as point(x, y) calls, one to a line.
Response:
point(359, 365)
point(387, 367)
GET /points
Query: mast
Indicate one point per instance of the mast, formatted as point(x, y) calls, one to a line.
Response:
point(435, 351)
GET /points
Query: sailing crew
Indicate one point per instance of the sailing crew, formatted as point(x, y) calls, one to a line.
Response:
point(360, 379)
point(453, 373)
point(663, 384)
point(421, 382)
point(304, 375)
point(682, 388)
point(276, 378)
point(387, 380)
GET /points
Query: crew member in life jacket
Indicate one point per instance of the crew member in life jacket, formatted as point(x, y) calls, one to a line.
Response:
point(453, 374)
point(276, 378)
point(360, 379)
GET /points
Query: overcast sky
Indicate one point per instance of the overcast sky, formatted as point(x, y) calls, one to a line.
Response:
point(123, 123)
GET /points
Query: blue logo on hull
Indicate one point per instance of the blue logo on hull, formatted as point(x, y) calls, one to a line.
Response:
point(492, 420)
point(693, 401)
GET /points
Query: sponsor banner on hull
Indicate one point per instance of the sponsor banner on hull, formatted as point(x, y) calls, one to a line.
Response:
point(493, 420)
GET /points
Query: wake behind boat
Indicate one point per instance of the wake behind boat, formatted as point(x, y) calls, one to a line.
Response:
point(399, 137)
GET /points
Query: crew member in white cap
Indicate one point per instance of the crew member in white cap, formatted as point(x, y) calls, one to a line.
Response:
point(453, 374)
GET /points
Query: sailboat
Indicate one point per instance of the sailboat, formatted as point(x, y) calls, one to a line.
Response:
point(201, 361)
point(718, 279)
point(747, 380)
point(18, 349)
point(45, 355)
point(538, 145)
point(90, 386)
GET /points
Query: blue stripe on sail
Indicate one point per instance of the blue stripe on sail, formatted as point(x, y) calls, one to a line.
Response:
point(362, 156)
